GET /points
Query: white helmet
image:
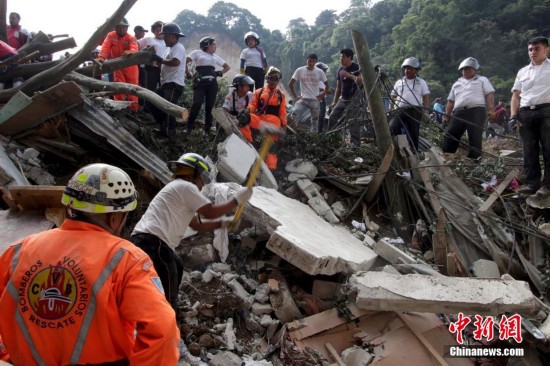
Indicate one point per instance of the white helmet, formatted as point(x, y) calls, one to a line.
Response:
point(322, 66)
point(469, 62)
point(100, 188)
point(412, 62)
point(252, 35)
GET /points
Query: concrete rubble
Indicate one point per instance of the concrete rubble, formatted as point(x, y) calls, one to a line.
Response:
point(302, 238)
point(420, 293)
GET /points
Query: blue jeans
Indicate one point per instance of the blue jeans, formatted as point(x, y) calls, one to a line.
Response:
point(535, 136)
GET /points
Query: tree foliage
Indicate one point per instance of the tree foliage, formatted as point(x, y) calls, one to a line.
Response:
point(440, 33)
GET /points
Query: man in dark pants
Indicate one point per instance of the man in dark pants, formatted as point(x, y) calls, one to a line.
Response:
point(471, 101)
point(348, 79)
point(410, 94)
point(530, 110)
point(172, 78)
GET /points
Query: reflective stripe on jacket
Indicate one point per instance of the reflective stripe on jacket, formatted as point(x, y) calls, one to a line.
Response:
point(75, 295)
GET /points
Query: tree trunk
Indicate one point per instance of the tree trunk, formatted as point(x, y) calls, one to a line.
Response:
point(28, 70)
point(52, 76)
point(124, 88)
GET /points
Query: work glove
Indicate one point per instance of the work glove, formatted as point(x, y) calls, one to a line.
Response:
point(514, 121)
point(241, 70)
point(490, 115)
point(219, 73)
point(445, 121)
point(100, 59)
point(243, 195)
point(127, 53)
point(156, 58)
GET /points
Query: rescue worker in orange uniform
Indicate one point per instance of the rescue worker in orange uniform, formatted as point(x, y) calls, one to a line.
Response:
point(267, 105)
point(119, 43)
point(79, 294)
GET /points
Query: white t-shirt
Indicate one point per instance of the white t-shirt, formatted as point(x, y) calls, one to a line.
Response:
point(174, 74)
point(201, 58)
point(409, 92)
point(309, 81)
point(240, 104)
point(160, 46)
point(533, 82)
point(470, 92)
point(171, 211)
point(252, 57)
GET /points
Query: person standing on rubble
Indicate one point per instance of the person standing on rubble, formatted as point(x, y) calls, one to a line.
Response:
point(253, 59)
point(172, 78)
point(323, 102)
point(471, 101)
point(80, 294)
point(162, 227)
point(530, 111)
point(119, 43)
point(152, 72)
point(205, 85)
point(310, 97)
point(269, 106)
point(412, 97)
point(348, 79)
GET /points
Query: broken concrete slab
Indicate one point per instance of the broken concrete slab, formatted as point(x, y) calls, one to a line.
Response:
point(9, 173)
point(19, 224)
point(316, 201)
point(235, 158)
point(326, 290)
point(305, 240)
point(419, 293)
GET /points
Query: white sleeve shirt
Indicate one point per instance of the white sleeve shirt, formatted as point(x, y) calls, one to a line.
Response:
point(201, 58)
point(171, 211)
point(409, 92)
point(252, 57)
point(174, 74)
point(533, 83)
point(309, 81)
point(470, 92)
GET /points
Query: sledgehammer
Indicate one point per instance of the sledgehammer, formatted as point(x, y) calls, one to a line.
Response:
point(268, 131)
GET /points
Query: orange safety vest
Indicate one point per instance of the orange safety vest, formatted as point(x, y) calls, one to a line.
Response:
point(80, 295)
point(114, 46)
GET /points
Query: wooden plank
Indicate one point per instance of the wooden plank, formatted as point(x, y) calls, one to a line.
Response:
point(436, 205)
point(451, 264)
point(335, 354)
point(306, 327)
point(423, 340)
point(42, 106)
point(380, 175)
point(498, 191)
point(37, 197)
point(440, 245)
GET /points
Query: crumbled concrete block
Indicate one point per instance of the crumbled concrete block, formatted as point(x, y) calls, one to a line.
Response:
point(303, 167)
point(339, 209)
point(228, 277)
point(249, 284)
point(196, 275)
point(316, 201)
point(225, 358)
point(240, 292)
point(253, 324)
point(209, 275)
point(484, 268)
point(221, 267)
point(356, 356)
point(391, 253)
point(30, 153)
point(262, 293)
point(419, 293)
point(201, 254)
point(293, 177)
point(261, 309)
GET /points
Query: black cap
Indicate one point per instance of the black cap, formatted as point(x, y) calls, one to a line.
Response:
point(140, 28)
